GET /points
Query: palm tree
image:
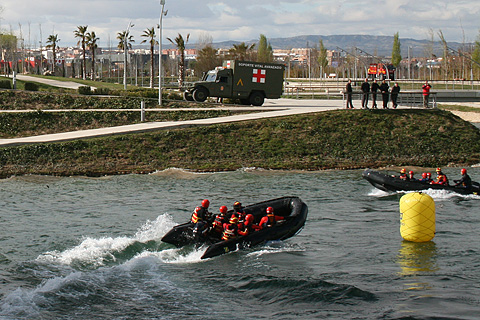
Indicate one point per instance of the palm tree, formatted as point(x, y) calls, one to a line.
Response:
point(242, 51)
point(91, 42)
point(52, 41)
point(150, 35)
point(81, 34)
point(180, 43)
point(125, 43)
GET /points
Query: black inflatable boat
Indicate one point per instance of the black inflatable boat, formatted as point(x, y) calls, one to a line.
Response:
point(388, 183)
point(292, 209)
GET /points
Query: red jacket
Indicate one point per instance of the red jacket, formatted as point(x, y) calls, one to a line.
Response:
point(426, 89)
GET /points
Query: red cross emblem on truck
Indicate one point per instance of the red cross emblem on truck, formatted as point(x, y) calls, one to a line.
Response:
point(259, 75)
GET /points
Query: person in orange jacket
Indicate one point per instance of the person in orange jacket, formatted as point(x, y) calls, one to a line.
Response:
point(247, 227)
point(441, 178)
point(230, 229)
point(220, 219)
point(270, 219)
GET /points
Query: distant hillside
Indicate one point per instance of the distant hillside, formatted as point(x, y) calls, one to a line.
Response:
point(377, 45)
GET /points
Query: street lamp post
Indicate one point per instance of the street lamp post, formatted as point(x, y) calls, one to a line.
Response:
point(162, 13)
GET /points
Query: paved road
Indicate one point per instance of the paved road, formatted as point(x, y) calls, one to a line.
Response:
point(273, 108)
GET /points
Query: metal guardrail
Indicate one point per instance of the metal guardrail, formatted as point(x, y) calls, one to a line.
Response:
point(405, 98)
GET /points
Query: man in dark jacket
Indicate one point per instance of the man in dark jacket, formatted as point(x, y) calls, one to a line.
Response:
point(349, 91)
point(365, 92)
point(374, 90)
point(395, 92)
point(384, 89)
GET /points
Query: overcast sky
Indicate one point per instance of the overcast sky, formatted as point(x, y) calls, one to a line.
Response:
point(241, 20)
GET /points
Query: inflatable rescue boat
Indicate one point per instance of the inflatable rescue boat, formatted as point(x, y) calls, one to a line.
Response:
point(389, 183)
point(292, 209)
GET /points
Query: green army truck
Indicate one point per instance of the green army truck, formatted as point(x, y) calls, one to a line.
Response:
point(250, 82)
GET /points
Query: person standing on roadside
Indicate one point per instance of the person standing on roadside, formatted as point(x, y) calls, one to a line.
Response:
point(395, 92)
point(365, 93)
point(374, 90)
point(349, 92)
point(426, 93)
point(384, 89)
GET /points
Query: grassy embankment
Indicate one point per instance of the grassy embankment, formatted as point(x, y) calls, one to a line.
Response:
point(327, 140)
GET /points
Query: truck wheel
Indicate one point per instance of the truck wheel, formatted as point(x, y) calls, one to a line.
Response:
point(200, 94)
point(187, 96)
point(256, 99)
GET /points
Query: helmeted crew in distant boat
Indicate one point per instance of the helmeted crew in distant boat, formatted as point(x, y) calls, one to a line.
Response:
point(465, 181)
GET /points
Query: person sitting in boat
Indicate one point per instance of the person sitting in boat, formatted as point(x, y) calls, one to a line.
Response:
point(220, 219)
point(429, 177)
point(230, 229)
point(424, 177)
point(403, 174)
point(465, 181)
point(441, 178)
point(201, 213)
point(410, 176)
point(237, 207)
point(270, 219)
point(246, 227)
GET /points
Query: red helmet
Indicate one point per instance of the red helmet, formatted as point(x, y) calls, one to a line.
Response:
point(439, 170)
point(237, 205)
point(463, 171)
point(205, 203)
point(424, 175)
point(403, 170)
point(223, 209)
point(249, 219)
point(429, 175)
point(269, 210)
point(410, 172)
point(197, 209)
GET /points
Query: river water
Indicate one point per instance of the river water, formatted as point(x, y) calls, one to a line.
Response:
point(89, 248)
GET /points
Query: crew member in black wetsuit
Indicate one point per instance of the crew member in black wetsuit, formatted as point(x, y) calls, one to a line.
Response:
point(465, 181)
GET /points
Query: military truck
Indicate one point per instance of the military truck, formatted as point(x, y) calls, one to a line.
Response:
point(250, 82)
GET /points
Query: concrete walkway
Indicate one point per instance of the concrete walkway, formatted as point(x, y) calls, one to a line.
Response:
point(273, 108)
point(51, 82)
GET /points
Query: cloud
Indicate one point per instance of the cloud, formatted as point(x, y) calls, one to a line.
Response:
point(242, 20)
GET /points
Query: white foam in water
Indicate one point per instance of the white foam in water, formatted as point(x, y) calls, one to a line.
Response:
point(174, 256)
point(378, 193)
point(96, 251)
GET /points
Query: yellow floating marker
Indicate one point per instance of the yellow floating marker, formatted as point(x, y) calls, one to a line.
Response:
point(417, 217)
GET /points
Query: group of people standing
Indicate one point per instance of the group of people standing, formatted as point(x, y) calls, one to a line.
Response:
point(228, 225)
point(385, 91)
point(373, 89)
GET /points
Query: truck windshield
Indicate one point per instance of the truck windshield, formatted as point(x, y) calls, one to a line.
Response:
point(211, 76)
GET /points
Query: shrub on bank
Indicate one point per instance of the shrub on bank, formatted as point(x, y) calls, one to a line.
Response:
point(31, 86)
point(5, 84)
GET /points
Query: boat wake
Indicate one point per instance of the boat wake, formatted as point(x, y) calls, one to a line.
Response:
point(436, 194)
point(93, 253)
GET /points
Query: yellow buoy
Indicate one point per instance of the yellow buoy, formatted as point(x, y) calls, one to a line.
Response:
point(417, 217)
